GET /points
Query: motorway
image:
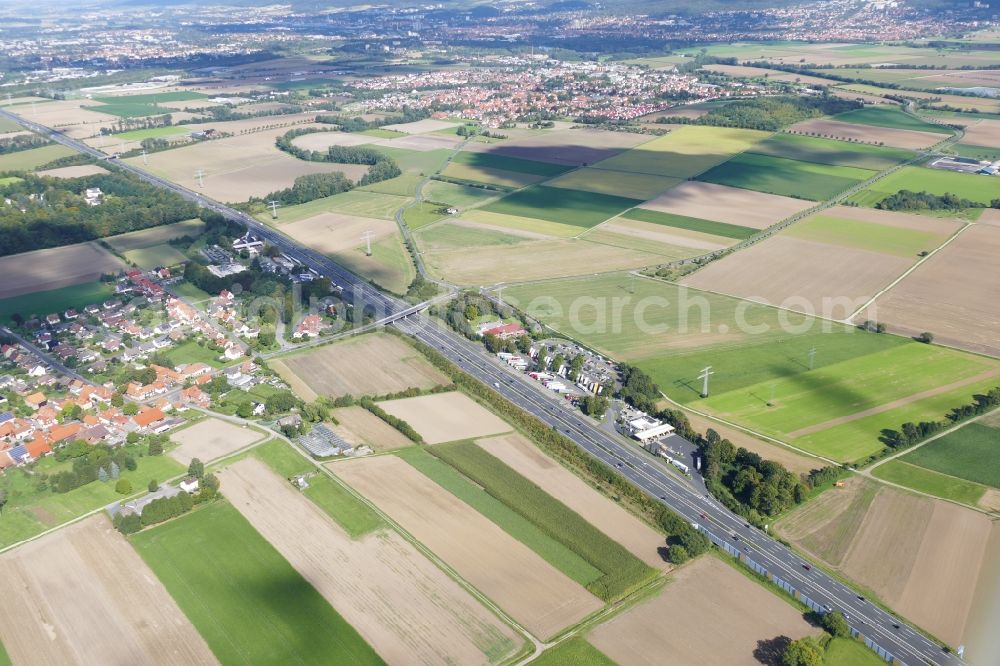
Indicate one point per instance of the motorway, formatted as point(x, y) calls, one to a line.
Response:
point(648, 473)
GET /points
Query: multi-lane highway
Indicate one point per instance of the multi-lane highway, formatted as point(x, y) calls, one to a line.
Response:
point(683, 496)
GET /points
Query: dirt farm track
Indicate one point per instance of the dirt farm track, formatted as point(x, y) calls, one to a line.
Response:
point(83, 596)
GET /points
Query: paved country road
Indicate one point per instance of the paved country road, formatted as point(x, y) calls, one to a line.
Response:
point(683, 496)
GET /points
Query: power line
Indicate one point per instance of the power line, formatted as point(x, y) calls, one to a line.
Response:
point(705, 373)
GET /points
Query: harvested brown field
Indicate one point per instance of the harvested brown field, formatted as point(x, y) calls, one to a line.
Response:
point(630, 240)
point(422, 143)
point(990, 217)
point(890, 136)
point(921, 556)
point(732, 205)
point(73, 171)
point(42, 270)
point(574, 147)
point(83, 596)
point(532, 260)
point(371, 364)
point(337, 232)
point(537, 595)
point(210, 439)
point(742, 71)
point(813, 276)
point(260, 123)
point(65, 113)
point(685, 622)
point(238, 167)
point(953, 294)
point(520, 454)
point(359, 426)
point(446, 417)
point(136, 240)
point(407, 609)
point(983, 133)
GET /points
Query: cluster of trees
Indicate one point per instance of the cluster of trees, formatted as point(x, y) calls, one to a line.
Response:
point(16, 144)
point(910, 200)
point(639, 389)
point(380, 166)
point(768, 113)
point(594, 405)
point(809, 651)
point(58, 215)
point(396, 422)
point(165, 508)
point(742, 479)
point(311, 187)
point(90, 463)
point(678, 530)
point(914, 433)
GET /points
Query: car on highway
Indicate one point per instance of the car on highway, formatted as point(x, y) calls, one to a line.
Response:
point(807, 567)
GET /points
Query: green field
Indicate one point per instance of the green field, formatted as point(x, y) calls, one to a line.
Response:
point(733, 231)
point(573, 652)
point(191, 293)
point(30, 511)
point(131, 109)
point(389, 265)
point(402, 186)
point(829, 151)
point(244, 598)
point(684, 152)
point(889, 116)
point(153, 98)
point(621, 571)
point(447, 235)
point(356, 517)
point(759, 354)
point(790, 178)
point(555, 204)
point(850, 652)
point(460, 196)
point(981, 189)
point(55, 300)
point(10, 180)
point(977, 152)
point(425, 162)
point(8, 125)
point(27, 160)
point(152, 133)
point(504, 517)
point(383, 133)
point(932, 483)
point(629, 184)
point(504, 163)
point(354, 202)
point(155, 256)
point(864, 235)
point(968, 453)
point(421, 214)
point(190, 351)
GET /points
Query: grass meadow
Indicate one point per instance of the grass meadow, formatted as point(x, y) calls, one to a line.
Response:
point(421, 214)
point(864, 235)
point(55, 300)
point(355, 202)
point(245, 599)
point(723, 229)
point(940, 485)
point(556, 204)
point(26, 160)
point(791, 178)
point(148, 258)
point(981, 189)
point(832, 152)
point(505, 163)
point(967, 453)
point(621, 572)
point(760, 354)
point(576, 651)
point(889, 116)
point(152, 133)
point(460, 196)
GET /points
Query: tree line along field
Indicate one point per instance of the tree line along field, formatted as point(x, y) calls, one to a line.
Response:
point(787, 177)
point(980, 189)
point(860, 382)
